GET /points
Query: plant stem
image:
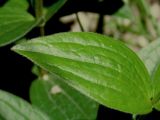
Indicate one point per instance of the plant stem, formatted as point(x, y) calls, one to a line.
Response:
point(100, 24)
point(79, 22)
point(39, 15)
point(134, 117)
point(42, 31)
point(38, 8)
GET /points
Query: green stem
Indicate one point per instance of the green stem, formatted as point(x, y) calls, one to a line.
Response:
point(38, 9)
point(42, 31)
point(79, 22)
point(39, 15)
point(134, 117)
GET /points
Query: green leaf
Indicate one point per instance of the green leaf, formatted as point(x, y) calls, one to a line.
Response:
point(1, 118)
point(15, 21)
point(22, 4)
point(67, 104)
point(150, 55)
point(156, 88)
point(54, 8)
point(14, 108)
point(125, 13)
point(98, 66)
point(143, 7)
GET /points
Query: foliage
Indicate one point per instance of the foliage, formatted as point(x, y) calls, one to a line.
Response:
point(60, 101)
point(76, 71)
point(12, 108)
point(117, 73)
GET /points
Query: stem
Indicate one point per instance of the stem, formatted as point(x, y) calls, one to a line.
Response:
point(39, 15)
point(42, 31)
point(38, 8)
point(100, 24)
point(79, 22)
point(134, 117)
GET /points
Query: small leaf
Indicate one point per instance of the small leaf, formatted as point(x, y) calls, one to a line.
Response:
point(14, 108)
point(150, 55)
point(54, 8)
point(98, 66)
point(15, 21)
point(67, 104)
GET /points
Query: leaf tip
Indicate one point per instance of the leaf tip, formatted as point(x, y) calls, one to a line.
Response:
point(16, 48)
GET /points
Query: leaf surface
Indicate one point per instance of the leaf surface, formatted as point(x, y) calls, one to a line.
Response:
point(14, 108)
point(150, 55)
point(22, 4)
point(15, 21)
point(98, 66)
point(60, 101)
point(156, 88)
point(54, 8)
point(1, 118)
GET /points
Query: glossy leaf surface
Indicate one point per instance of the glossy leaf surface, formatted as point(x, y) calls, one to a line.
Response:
point(14, 108)
point(15, 21)
point(98, 66)
point(60, 101)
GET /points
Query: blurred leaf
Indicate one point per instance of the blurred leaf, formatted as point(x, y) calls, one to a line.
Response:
point(125, 13)
point(1, 118)
point(15, 21)
point(36, 70)
point(143, 7)
point(150, 55)
point(54, 8)
point(60, 101)
point(14, 108)
point(98, 66)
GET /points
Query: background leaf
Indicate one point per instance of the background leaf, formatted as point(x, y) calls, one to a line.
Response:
point(1, 118)
point(143, 6)
point(60, 101)
point(15, 21)
point(54, 8)
point(150, 55)
point(125, 13)
point(14, 108)
point(98, 66)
